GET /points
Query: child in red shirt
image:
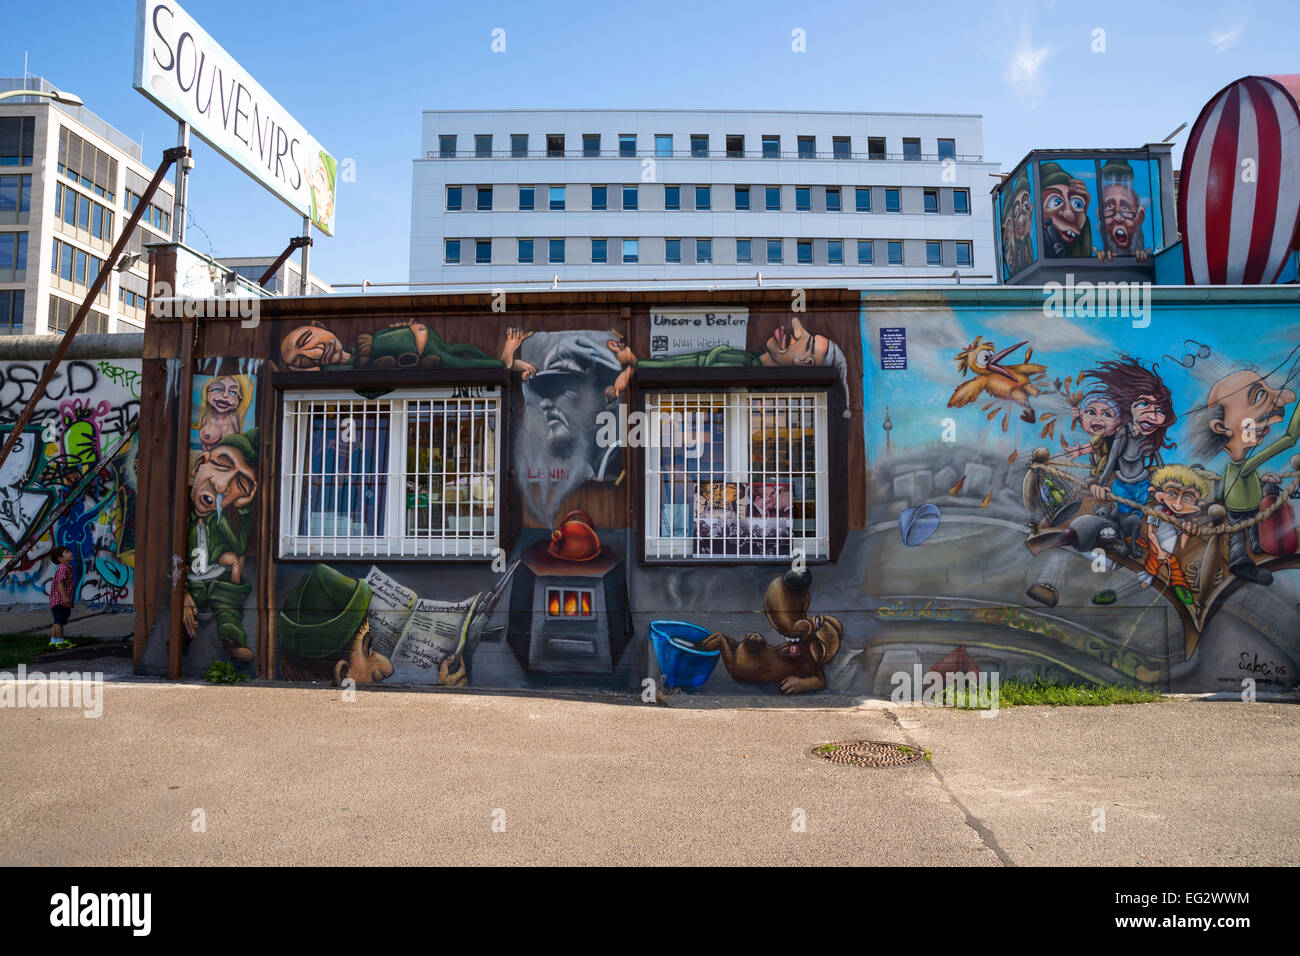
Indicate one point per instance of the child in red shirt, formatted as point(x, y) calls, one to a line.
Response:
point(61, 590)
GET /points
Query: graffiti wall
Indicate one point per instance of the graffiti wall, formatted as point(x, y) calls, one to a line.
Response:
point(1096, 497)
point(76, 448)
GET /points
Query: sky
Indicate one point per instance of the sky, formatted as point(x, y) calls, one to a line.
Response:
point(357, 76)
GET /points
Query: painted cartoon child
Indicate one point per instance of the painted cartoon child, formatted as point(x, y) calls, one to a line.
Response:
point(225, 400)
point(1098, 415)
point(1177, 491)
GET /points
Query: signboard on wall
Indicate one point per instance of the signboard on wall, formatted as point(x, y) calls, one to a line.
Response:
point(685, 331)
point(189, 75)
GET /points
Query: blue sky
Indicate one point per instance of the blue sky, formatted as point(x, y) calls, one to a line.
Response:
point(357, 76)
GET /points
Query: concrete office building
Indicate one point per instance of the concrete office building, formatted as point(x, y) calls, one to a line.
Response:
point(625, 195)
point(287, 279)
point(68, 183)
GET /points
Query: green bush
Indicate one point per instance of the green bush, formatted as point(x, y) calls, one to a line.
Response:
point(223, 672)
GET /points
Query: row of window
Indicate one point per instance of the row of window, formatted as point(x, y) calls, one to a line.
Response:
point(154, 216)
point(81, 212)
point(11, 311)
point(73, 265)
point(732, 475)
point(629, 251)
point(831, 198)
point(13, 256)
point(17, 138)
point(700, 146)
point(15, 199)
point(62, 312)
point(87, 164)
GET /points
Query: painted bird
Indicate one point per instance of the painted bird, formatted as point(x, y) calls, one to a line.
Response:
point(1005, 382)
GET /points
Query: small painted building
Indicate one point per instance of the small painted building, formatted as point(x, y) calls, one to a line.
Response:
point(800, 491)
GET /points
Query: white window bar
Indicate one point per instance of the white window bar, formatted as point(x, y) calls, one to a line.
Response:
point(736, 475)
point(410, 474)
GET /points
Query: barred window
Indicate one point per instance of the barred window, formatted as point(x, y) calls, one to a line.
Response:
point(736, 474)
point(410, 474)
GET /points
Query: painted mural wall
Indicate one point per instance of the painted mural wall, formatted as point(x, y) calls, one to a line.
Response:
point(1104, 498)
point(73, 447)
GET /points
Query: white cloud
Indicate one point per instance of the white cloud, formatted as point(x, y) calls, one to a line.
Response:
point(1227, 39)
point(1023, 72)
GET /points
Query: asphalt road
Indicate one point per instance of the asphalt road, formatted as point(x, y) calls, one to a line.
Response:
point(296, 775)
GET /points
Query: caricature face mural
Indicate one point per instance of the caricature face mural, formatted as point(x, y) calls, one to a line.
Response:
point(1063, 204)
point(1017, 223)
point(312, 347)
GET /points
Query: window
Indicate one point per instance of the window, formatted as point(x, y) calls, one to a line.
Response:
point(773, 194)
point(663, 144)
point(599, 197)
point(484, 198)
point(451, 251)
point(519, 145)
point(590, 144)
point(17, 139)
point(483, 251)
point(556, 250)
point(447, 146)
point(771, 147)
point(947, 149)
point(735, 146)
point(703, 250)
point(62, 312)
point(742, 198)
point(525, 253)
point(16, 202)
point(11, 311)
point(840, 147)
point(802, 198)
point(934, 253)
point(744, 250)
point(703, 197)
point(672, 197)
point(555, 144)
point(961, 202)
point(931, 200)
point(737, 474)
point(775, 254)
point(700, 144)
point(895, 252)
point(79, 273)
point(892, 201)
point(911, 149)
point(876, 147)
point(963, 254)
point(526, 198)
point(413, 473)
point(672, 250)
point(835, 252)
point(807, 146)
point(13, 257)
point(832, 198)
point(629, 197)
point(803, 252)
point(600, 250)
point(627, 144)
point(865, 252)
point(631, 250)
point(862, 198)
point(557, 197)
point(483, 145)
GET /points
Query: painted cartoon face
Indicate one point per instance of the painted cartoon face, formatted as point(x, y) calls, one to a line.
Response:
point(1099, 418)
point(1121, 215)
point(224, 395)
point(321, 194)
point(569, 391)
point(1066, 208)
point(798, 346)
point(312, 347)
point(222, 477)
point(360, 662)
point(1148, 414)
point(1179, 499)
point(1246, 398)
point(1021, 208)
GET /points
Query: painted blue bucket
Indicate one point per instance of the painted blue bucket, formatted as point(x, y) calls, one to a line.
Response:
point(681, 664)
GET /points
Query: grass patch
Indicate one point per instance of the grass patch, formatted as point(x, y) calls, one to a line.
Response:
point(18, 649)
point(223, 672)
point(1039, 691)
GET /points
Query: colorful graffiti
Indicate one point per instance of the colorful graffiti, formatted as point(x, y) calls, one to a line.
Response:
point(1017, 216)
point(75, 440)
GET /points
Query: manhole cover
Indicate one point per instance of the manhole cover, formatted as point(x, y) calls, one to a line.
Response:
point(868, 753)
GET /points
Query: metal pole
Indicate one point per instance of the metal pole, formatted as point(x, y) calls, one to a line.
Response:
point(306, 254)
point(181, 199)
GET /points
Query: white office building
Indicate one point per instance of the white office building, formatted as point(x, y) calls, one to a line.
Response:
point(68, 183)
point(507, 196)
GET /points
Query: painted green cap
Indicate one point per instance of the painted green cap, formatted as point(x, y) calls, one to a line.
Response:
point(322, 613)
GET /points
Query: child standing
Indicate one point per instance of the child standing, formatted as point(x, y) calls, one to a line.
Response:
point(61, 590)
